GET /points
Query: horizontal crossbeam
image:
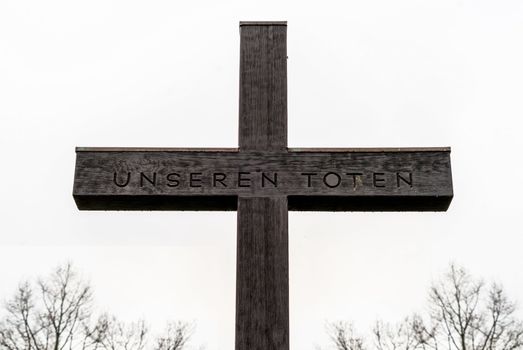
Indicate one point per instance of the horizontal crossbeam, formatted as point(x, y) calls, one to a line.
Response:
point(313, 179)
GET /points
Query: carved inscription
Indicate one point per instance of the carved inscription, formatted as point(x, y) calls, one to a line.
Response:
point(247, 179)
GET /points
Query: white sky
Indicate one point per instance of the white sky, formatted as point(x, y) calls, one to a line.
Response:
point(165, 73)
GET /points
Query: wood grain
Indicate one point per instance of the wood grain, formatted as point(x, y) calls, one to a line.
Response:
point(263, 87)
point(95, 189)
point(262, 283)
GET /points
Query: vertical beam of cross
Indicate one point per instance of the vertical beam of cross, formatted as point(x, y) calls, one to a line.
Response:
point(262, 284)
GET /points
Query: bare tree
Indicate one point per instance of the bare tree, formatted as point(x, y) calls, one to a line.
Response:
point(175, 337)
point(344, 336)
point(51, 316)
point(112, 334)
point(464, 314)
point(56, 313)
point(468, 315)
point(402, 336)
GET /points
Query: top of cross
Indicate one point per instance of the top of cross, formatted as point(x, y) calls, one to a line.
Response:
point(263, 23)
point(263, 165)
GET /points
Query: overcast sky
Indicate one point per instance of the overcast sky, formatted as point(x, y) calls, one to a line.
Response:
point(376, 73)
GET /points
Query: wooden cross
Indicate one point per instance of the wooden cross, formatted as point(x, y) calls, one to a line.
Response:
point(262, 180)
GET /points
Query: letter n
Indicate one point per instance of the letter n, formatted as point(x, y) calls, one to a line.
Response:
point(144, 177)
point(400, 179)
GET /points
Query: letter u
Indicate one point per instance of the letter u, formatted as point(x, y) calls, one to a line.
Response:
point(126, 182)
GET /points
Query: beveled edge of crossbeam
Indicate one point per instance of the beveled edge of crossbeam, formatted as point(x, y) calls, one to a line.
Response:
point(153, 149)
point(263, 23)
point(290, 150)
point(370, 150)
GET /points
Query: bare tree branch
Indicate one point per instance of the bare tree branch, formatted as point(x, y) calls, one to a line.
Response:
point(56, 313)
point(463, 315)
point(344, 337)
point(175, 336)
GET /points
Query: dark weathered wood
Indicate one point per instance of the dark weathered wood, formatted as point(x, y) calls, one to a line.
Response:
point(263, 87)
point(400, 180)
point(263, 179)
point(262, 283)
